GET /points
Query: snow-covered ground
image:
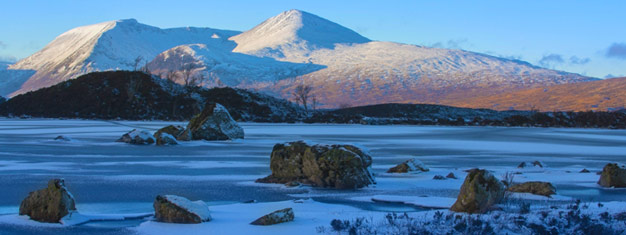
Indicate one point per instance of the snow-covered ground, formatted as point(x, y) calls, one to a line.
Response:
point(116, 180)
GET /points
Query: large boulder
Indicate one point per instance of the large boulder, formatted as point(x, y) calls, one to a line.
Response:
point(411, 165)
point(177, 209)
point(613, 175)
point(167, 135)
point(137, 137)
point(534, 187)
point(276, 217)
point(334, 166)
point(213, 123)
point(479, 192)
point(49, 204)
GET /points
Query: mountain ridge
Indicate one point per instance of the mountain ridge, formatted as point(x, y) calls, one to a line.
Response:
point(291, 49)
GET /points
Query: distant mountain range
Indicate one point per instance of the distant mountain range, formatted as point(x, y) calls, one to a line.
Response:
point(287, 50)
point(603, 95)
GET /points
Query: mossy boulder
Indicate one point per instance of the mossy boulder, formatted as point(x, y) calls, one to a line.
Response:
point(333, 166)
point(167, 135)
point(139, 137)
point(411, 165)
point(276, 217)
point(213, 123)
point(534, 187)
point(177, 209)
point(50, 204)
point(479, 193)
point(613, 175)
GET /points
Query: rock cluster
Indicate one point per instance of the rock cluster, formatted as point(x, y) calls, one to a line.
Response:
point(479, 192)
point(50, 204)
point(334, 166)
point(613, 175)
point(213, 123)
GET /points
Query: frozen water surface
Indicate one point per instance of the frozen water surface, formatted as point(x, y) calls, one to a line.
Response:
point(116, 178)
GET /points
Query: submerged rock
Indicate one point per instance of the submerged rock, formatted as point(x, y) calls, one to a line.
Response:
point(411, 165)
point(534, 187)
point(49, 204)
point(177, 209)
point(479, 192)
point(613, 175)
point(213, 123)
point(137, 137)
point(439, 177)
point(334, 166)
point(62, 138)
point(276, 217)
point(167, 135)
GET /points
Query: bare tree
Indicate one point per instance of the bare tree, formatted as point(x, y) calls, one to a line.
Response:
point(314, 102)
point(188, 78)
point(302, 93)
point(172, 75)
point(137, 61)
point(145, 68)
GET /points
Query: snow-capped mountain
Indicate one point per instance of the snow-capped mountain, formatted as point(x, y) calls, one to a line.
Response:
point(292, 48)
point(109, 46)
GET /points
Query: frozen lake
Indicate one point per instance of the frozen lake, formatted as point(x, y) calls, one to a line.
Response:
point(117, 178)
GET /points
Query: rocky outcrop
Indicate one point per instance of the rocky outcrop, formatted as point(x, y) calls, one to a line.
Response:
point(213, 123)
point(276, 217)
point(137, 137)
point(176, 209)
point(411, 165)
point(534, 187)
point(334, 166)
point(479, 192)
point(49, 204)
point(613, 175)
point(167, 135)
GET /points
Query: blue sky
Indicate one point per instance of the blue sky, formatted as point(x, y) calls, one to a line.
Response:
point(586, 37)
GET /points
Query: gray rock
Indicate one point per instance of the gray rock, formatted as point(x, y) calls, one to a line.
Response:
point(439, 177)
point(49, 204)
point(613, 175)
point(138, 137)
point(334, 166)
point(411, 165)
point(534, 187)
point(168, 135)
point(479, 193)
point(177, 209)
point(276, 217)
point(213, 123)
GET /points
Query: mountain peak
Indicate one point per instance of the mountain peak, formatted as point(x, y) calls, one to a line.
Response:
point(297, 30)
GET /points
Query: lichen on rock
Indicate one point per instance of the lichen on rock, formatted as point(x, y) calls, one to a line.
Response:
point(50, 204)
point(479, 193)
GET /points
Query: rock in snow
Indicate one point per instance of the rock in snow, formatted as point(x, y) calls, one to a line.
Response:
point(213, 123)
point(613, 175)
point(534, 187)
point(177, 209)
point(167, 135)
point(479, 192)
point(137, 137)
point(334, 166)
point(49, 204)
point(276, 217)
point(411, 165)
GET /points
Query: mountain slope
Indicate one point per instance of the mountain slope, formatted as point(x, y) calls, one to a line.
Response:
point(292, 34)
point(602, 95)
point(109, 46)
